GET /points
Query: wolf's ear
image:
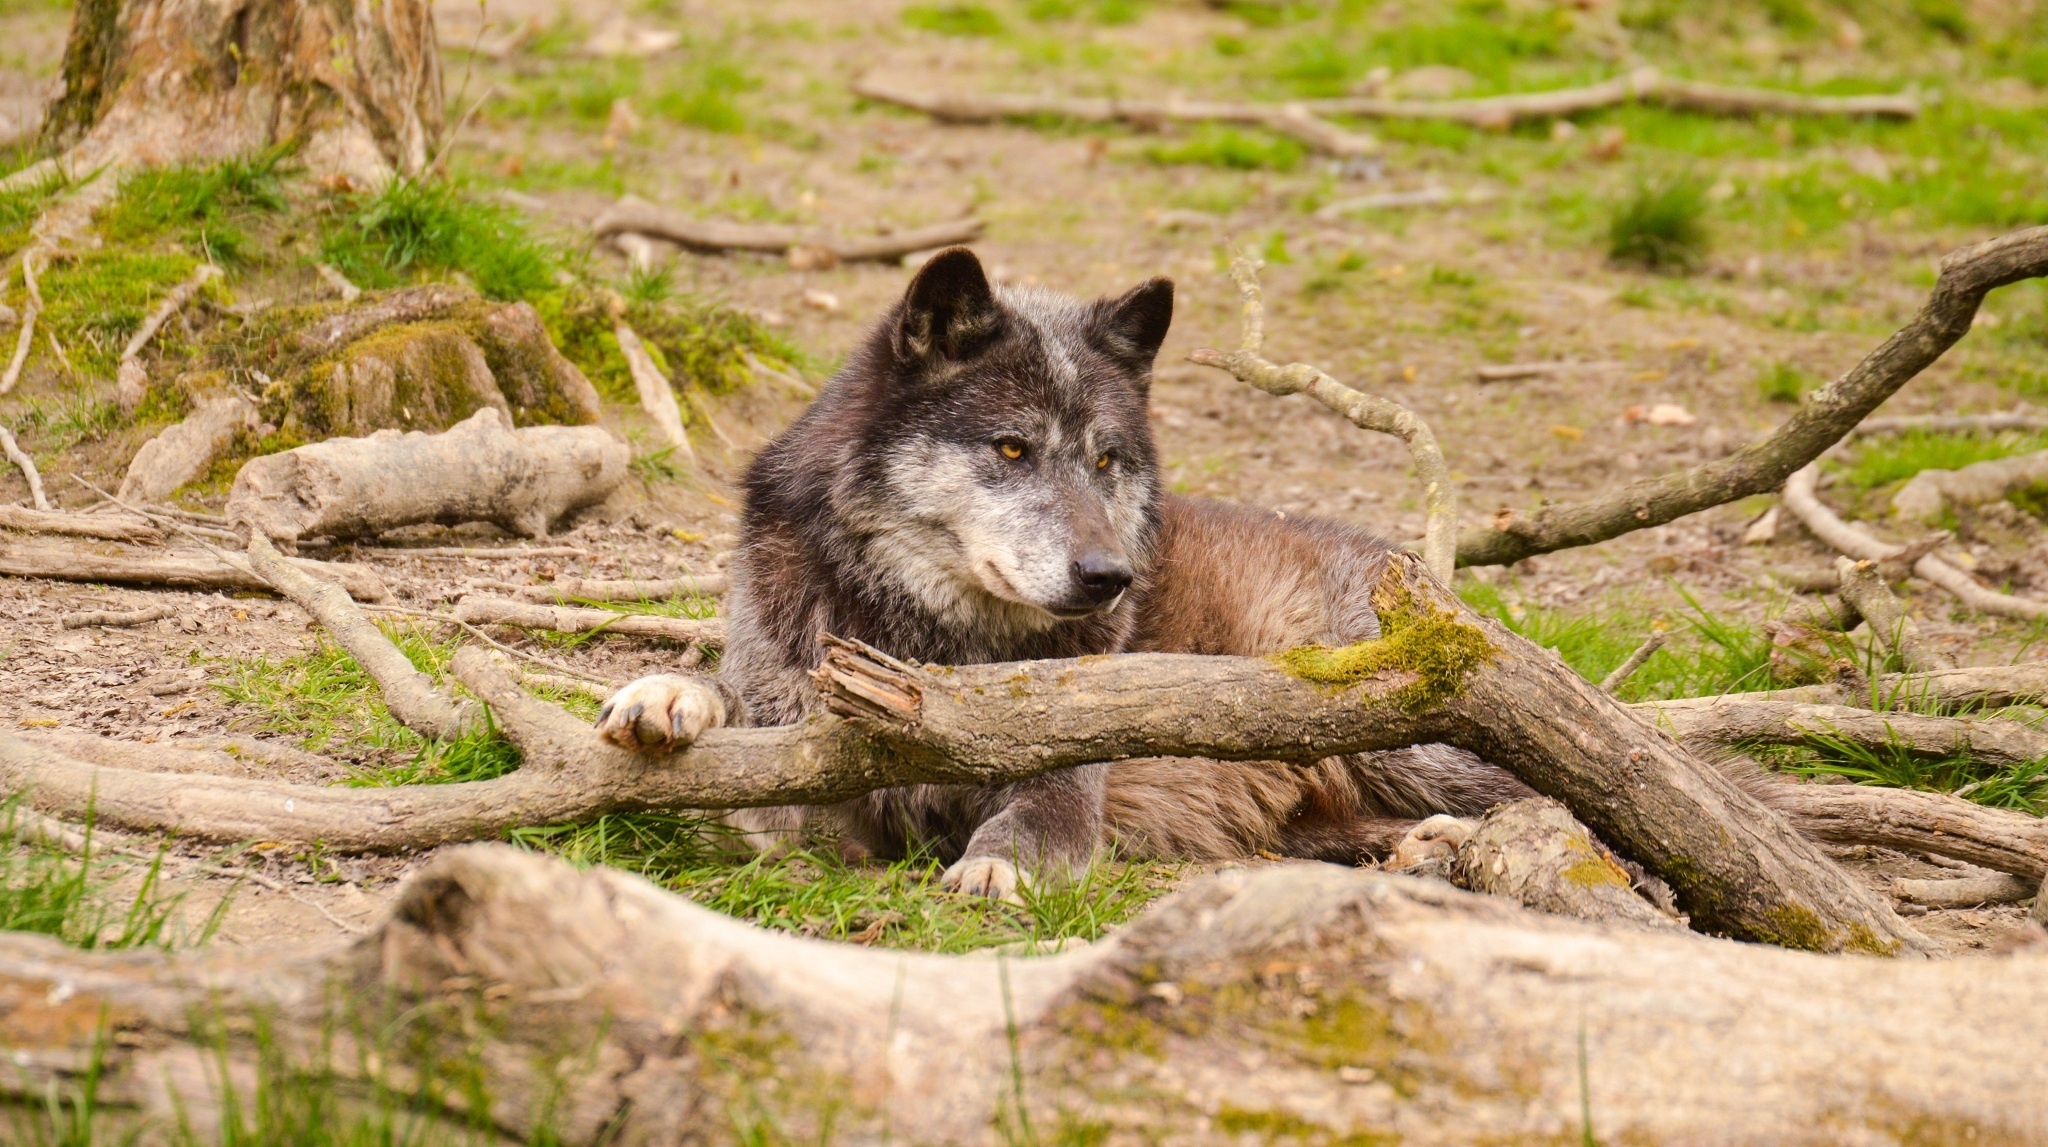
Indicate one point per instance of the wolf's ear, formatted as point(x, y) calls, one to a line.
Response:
point(1131, 328)
point(948, 310)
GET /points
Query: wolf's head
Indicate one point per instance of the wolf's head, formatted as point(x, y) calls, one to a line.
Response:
point(1005, 474)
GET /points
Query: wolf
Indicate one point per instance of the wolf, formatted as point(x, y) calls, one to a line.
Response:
point(980, 483)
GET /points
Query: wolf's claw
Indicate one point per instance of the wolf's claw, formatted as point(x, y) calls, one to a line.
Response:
point(989, 876)
point(662, 712)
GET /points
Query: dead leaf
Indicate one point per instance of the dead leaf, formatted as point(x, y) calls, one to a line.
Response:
point(821, 300)
point(1658, 414)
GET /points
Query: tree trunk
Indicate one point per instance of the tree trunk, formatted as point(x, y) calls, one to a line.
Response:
point(356, 86)
point(1299, 1003)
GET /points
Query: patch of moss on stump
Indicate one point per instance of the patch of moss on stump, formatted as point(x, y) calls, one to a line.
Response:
point(1432, 644)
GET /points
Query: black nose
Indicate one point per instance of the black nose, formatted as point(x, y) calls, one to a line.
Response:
point(1101, 575)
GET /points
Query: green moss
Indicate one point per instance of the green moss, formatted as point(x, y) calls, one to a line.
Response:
point(1792, 926)
point(1591, 870)
point(96, 302)
point(1432, 645)
point(414, 230)
point(699, 345)
point(430, 383)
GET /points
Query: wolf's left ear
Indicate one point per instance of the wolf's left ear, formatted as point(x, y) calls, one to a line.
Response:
point(1132, 327)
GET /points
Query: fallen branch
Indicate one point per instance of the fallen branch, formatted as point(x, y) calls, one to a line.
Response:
point(131, 382)
point(569, 619)
point(1510, 372)
point(1534, 853)
point(1644, 85)
point(1800, 498)
point(1366, 411)
point(177, 569)
point(567, 589)
point(119, 618)
point(1976, 686)
point(2021, 419)
point(29, 473)
point(657, 395)
point(1992, 740)
point(1387, 200)
point(480, 553)
point(641, 217)
point(183, 452)
point(1613, 682)
point(1821, 420)
point(1912, 821)
point(118, 528)
point(411, 696)
point(478, 471)
point(536, 994)
point(1864, 590)
point(1966, 892)
point(24, 341)
point(1294, 120)
point(1927, 494)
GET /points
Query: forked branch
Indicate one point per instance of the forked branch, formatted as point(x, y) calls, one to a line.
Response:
point(1366, 411)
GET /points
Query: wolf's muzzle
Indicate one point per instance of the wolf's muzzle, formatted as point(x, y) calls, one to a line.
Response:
point(1099, 576)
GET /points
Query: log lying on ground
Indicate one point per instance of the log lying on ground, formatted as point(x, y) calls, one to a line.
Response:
point(1290, 119)
point(183, 452)
point(1966, 892)
point(112, 527)
point(1536, 854)
point(1339, 1004)
point(522, 480)
point(708, 631)
point(1993, 740)
point(1864, 590)
point(2002, 840)
point(1823, 419)
point(636, 216)
point(1973, 686)
point(176, 569)
point(1928, 493)
point(567, 589)
point(1801, 499)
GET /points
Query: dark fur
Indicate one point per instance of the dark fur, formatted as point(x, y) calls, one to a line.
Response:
point(894, 477)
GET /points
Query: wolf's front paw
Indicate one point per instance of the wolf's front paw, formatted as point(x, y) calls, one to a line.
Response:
point(1435, 839)
point(662, 712)
point(983, 876)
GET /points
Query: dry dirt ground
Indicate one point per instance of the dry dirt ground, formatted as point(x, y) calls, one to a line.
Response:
point(1408, 303)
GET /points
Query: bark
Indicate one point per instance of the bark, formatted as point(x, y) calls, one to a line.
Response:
point(1911, 821)
point(2021, 419)
point(120, 618)
point(1928, 493)
point(567, 589)
point(1863, 588)
point(1993, 740)
point(185, 451)
point(1365, 411)
point(113, 527)
point(1534, 853)
point(1613, 682)
point(176, 569)
point(357, 87)
point(1825, 416)
point(522, 480)
point(1289, 119)
point(708, 632)
point(1799, 497)
point(639, 217)
point(409, 694)
point(1330, 1004)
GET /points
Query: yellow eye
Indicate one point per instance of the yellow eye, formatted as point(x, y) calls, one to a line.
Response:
point(1102, 463)
point(1011, 448)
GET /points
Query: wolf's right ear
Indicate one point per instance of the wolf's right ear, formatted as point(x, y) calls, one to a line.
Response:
point(948, 310)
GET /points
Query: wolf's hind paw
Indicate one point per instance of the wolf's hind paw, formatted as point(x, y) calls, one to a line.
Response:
point(661, 712)
point(983, 876)
point(1435, 839)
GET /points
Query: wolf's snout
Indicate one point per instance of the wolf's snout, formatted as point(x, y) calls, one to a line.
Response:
point(1100, 575)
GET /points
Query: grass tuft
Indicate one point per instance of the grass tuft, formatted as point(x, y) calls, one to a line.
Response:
point(1897, 457)
point(954, 19)
point(47, 890)
point(1783, 382)
point(415, 229)
point(1230, 147)
point(1661, 226)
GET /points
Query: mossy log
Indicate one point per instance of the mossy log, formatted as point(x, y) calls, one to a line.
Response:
point(1296, 1003)
point(356, 87)
point(480, 471)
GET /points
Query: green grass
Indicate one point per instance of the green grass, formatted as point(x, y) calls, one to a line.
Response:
point(954, 19)
point(48, 890)
point(417, 229)
point(1661, 226)
point(696, 343)
point(96, 302)
point(1892, 458)
point(1783, 382)
point(20, 208)
point(2022, 786)
point(814, 893)
point(1229, 147)
point(201, 206)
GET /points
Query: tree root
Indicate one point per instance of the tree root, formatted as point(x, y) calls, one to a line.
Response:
point(1799, 497)
point(1966, 892)
point(637, 216)
point(708, 632)
point(131, 382)
point(1930, 492)
point(1822, 420)
point(26, 339)
point(1866, 593)
point(29, 473)
point(183, 452)
point(1644, 85)
point(1366, 411)
point(657, 396)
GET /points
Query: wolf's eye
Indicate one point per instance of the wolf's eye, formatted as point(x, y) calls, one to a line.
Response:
point(1103, 462)
point(1011, 448)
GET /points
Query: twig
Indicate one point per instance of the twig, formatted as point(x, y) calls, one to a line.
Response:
point(643, 218)
point(19, 457)
point(1863, 588)
point(487, 553)
point(1820, 422)
point(1366, 411)
point(566, 589)
point(117, 618)
point(1509, 372)
point(657, 395)
point(333, 277)
point(26, 339)
point(1293, 119)
point(494, 643)
point(1644, 85)
point(130, 381)
point(1613, 682)
point(1385, 200)
point(1799, 497)
point(570, 619)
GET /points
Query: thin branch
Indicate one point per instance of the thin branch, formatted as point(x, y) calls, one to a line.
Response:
point(1967, 891)
point(1821, 421)
point(1366, 411)
point(1800, 498)
point(2021, 419)
point(117, 618)
point(688, 656)
point(710, 235)
point(26, 339)
point(131, 382)
point(1644, 85)
point(29, 473)
point(1994, 740)
point(565, 590)
point(1613, 682)
point(475, 610)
